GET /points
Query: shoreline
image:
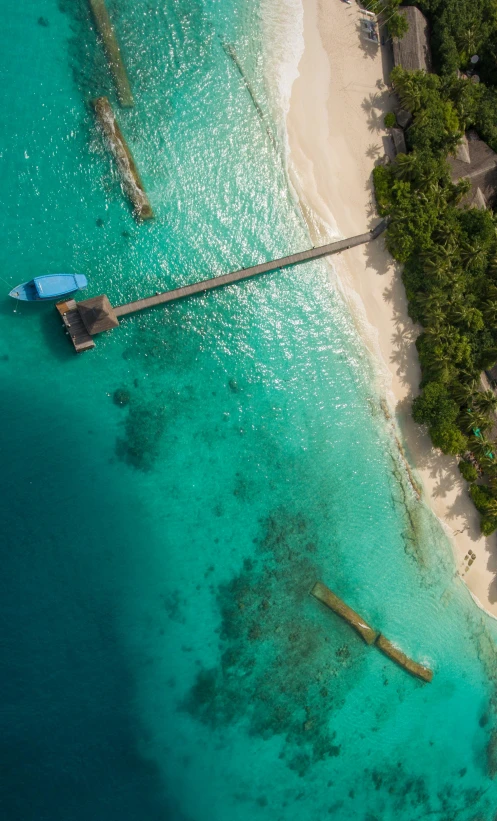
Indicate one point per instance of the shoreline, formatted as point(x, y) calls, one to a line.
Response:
point(335, 137)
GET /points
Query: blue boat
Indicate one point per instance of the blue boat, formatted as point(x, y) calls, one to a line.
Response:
point(50, 286)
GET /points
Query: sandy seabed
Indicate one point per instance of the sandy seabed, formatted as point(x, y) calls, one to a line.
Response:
point(336, 136)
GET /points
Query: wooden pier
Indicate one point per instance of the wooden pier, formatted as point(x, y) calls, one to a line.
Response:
point(116, 64)
point(119, 148)
point(74, 326)
point(77, 315)
point(247, 273)
point(368, 633)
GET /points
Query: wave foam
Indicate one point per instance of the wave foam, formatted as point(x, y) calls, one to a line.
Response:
point(283, 34)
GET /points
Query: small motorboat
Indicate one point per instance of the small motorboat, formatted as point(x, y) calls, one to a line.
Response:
point(50, 286)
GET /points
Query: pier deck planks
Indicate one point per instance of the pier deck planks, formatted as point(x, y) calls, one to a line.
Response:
point(74, 326)
point(247, 273)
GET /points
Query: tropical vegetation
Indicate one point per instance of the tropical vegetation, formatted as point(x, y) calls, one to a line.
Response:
point(396, 23)
point(449, 257)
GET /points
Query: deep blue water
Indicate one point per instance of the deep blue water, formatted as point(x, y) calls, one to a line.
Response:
point(161, 657)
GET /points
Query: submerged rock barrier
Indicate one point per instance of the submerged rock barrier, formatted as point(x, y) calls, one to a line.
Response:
point(106, 32)
point(327, 597)
point(131, 180)
point(404, 661)
point(370, 636)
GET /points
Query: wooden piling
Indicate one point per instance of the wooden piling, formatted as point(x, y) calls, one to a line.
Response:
point(131, 180)
point(327, 597)
point(116, 64)
point(230, 51)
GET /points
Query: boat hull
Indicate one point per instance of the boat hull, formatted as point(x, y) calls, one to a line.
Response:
point(51, 286)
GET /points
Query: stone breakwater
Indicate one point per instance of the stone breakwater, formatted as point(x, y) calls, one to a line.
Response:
point(370, 636)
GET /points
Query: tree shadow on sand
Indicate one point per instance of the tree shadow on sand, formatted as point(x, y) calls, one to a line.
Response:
point(404, 355)
point(461, 515)
point(373, 151)
point(375, 105)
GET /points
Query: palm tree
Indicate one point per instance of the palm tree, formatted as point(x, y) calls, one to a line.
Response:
point(459, 312)
point(475, 253)
point(492, 269)
point(409, 92)
point(486, 463)
point(492, 507)
point(406, 166)
point(436, 264)
point(435, 317)
point(474, 421)
point(432, 192)
point(443, 249)
point(490, 311)
point(464, 392)
point(481, 446)
point(467, 44)
point(486, 401)
point(439, 334)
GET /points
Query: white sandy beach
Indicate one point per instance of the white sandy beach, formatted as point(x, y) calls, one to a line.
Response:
point(336, 135)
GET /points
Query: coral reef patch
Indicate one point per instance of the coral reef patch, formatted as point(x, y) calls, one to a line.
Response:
point(279, 666)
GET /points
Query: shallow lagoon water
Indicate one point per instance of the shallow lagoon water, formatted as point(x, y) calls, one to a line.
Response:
point(163, 659)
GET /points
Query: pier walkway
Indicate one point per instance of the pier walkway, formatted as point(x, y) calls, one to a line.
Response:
point(84, 320)
point(247, 273)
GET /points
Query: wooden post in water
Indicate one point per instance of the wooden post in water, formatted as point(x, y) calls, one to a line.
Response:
point(129, 173)
point(106, 32)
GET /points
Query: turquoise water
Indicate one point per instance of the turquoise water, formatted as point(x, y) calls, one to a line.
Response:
point(161, 656)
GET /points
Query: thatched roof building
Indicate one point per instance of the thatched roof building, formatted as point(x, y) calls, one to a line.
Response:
point(412, 51)
point(474, 160)
point(97, 314)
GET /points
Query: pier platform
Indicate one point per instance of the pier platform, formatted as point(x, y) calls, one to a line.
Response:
point(74, 326)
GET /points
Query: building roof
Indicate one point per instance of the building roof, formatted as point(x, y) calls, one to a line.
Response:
point(474, 160)
point(399, 142)
point(97, 314)
point(412, 51)
point(404, 118)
